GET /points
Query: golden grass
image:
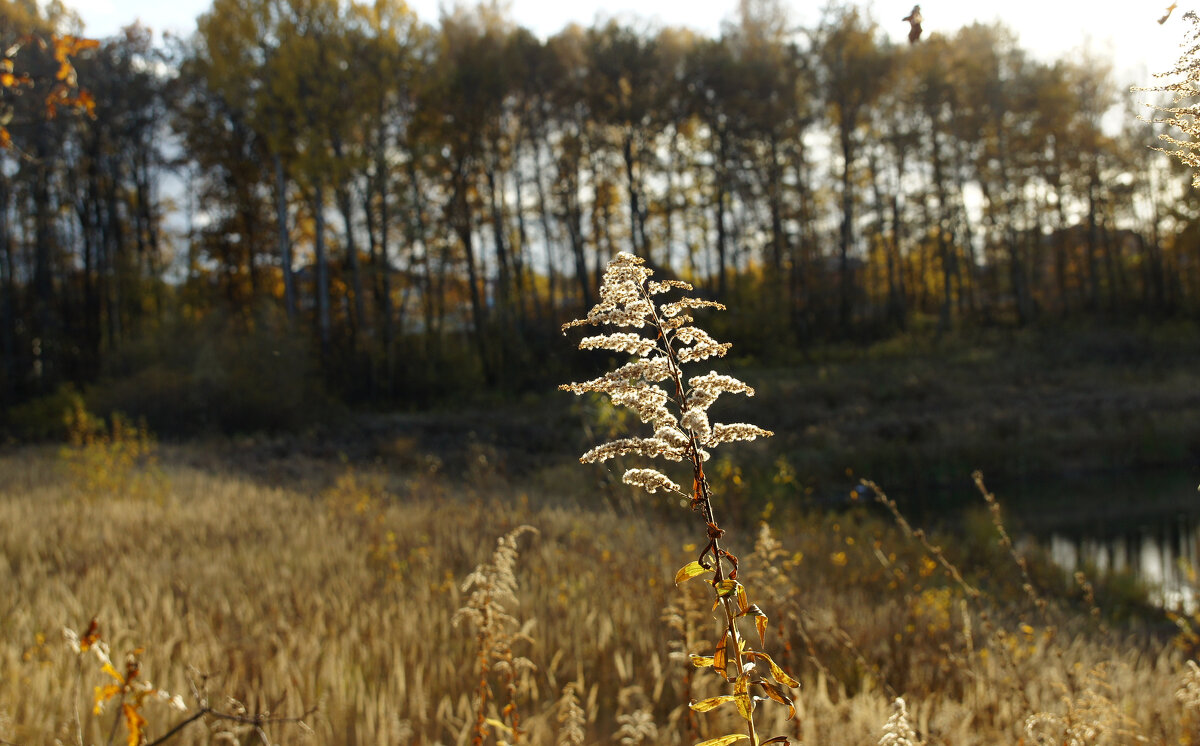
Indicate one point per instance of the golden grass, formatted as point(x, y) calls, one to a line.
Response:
point(301, 599)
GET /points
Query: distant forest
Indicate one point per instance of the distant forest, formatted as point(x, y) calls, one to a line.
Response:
point(340, 195)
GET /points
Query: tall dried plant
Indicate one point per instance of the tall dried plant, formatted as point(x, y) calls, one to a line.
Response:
point(571, 718)
point(492, 585)
point(898, 731)
point(661, 337)
point(1182, 82)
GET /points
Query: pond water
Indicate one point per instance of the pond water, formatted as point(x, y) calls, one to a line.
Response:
point(1144, 523)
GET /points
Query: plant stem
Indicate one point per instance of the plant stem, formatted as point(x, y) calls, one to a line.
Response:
point(112, 733)
point(702, 503)
point(179, 726)
point(484, 640)
point(78, 694)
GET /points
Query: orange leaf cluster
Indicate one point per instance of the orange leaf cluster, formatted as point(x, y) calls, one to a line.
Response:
point(65, 91)
point(129, 690)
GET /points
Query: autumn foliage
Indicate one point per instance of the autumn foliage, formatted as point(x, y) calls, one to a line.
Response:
point(61, 91)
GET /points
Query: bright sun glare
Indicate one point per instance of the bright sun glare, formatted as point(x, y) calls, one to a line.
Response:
point(1128, 34)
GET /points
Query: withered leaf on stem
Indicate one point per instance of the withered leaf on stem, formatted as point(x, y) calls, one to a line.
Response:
point(701, 661)
point(689, 571)
point(711, 703)
point(721, 655)
point(741, 693)
point(777, 673)
point(776, 694)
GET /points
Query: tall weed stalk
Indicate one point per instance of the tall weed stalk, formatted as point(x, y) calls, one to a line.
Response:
point(662, 340)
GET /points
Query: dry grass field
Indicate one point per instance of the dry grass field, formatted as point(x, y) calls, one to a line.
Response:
point(343, 598)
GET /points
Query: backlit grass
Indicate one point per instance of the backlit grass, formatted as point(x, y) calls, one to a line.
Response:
point(343, 599)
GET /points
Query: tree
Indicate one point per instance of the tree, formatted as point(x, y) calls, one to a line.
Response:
point(853, 73)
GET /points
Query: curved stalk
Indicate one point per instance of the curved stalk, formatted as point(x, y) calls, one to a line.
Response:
point(702, 501)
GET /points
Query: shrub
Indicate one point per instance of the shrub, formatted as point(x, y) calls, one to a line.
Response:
point(111, 459)
point(222, 372)
point(41, 419)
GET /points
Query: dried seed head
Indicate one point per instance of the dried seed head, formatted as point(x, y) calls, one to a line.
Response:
point(897, 731)
point(650, 480)
point(571, 718)
point(668, 341)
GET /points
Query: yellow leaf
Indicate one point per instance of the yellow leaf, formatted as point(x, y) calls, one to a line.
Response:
point(108, 669)
point(689, 571)
point(777, 673)
point(774, 693)
point(741, 693)
point(725, 587)
point(102, 695)
point(760, 622)
point(701, 661)
point(721, 655)
point(705, 705)
point(725, 740)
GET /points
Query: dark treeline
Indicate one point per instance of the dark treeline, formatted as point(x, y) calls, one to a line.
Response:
point(416, 208)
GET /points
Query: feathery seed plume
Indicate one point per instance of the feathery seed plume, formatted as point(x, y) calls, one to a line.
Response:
point(897, 731)
point(668, 339)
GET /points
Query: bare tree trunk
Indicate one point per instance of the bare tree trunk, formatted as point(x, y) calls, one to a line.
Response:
point(887, 243)
point(847, 234)
point(112, 245)
point(573, 216)
point(346, 208)
point(900, 311)
point(285, 242)
point(324, 322)
point(425, 278)
point(382, 263)
point(375, 190)
point(518, 256)
point(970, 295)
point(801, 265)
point(1114, 268)
point(463, 225)
point(944, 248)
point(669, 198)
point(547, 234)
point(86, 208)
point(637, 229)
point(147, 227)
point(1060, 247)
point(8, 306)
point(779, 247)
point(1157, 279)
point(45, 331)
point(1093, 239)
point(504, 281)
point(719, 209)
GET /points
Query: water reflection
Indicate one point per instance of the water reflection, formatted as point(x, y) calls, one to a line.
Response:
point(1147, 525)
point(1157, 554)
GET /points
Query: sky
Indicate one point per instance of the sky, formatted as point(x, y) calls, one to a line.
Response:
point(1126, 32)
